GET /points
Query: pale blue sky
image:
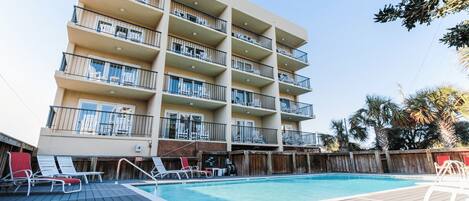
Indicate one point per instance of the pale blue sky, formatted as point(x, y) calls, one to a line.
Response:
point(350, 56)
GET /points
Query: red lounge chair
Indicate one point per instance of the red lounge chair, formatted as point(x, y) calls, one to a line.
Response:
point(440, 161)
point(193, 169)
point(21, 171)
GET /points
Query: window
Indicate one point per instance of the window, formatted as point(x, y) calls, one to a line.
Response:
point(285, 104)
point(177, 47)
point(115, 73)
point(121, 32)
point(188, 87)
point(105, 27)
point(96, 69)
point(136, 36)
point(185, 126)
point(104, 118)
point(191, 18)
point(243, 97)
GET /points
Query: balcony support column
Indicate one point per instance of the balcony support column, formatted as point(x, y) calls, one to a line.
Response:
point(154, 105)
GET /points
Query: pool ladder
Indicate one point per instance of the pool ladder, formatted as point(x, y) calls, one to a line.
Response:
point(136, 167)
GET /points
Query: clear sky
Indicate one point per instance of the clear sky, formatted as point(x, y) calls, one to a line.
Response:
point(350, 56)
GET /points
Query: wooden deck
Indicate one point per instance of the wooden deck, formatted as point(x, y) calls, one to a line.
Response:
point(107, 191)
point(414, 194)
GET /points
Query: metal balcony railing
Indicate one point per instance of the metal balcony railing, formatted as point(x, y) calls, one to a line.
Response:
point(198, 17)
point(194, 50)
point(99, 70)
point(193, 88)
point(252, 99)
point(253, 67)
point(292, 52)
point(299, 138)
point(297, 108)
point(114, 27)
point(98, 122)
point(251, 37)
point(153, 3)
point(253, 135)
point(185, 129)
point(294, 79)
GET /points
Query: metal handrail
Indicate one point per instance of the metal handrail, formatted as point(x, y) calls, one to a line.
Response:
point(135, 166)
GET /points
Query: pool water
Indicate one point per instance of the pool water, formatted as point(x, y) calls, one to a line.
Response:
point(298, 188)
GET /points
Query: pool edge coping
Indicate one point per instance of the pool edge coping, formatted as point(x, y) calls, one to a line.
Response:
point(150, 196)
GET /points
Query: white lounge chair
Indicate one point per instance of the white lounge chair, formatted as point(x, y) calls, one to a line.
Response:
point(160, 170)
point(67, 168)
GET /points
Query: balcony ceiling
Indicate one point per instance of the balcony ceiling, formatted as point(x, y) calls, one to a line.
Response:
point(186, 29)
point(288, 39)
point(211, 7)
point(252, 24)
point(134, 11)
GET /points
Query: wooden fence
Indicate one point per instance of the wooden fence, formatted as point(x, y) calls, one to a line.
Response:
point(7, 144)
point(258, 163)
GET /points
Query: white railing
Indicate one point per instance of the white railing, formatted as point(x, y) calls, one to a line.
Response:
point(135, 166)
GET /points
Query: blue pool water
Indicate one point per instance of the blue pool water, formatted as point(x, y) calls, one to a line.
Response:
point(298, 188)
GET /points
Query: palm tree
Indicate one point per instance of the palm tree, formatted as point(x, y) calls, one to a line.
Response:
point(342, 136)
point(340, 132)
point(464, 58)
point(378, 114)
point(443, 107)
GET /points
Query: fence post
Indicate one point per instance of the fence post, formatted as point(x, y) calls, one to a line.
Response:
point(246, 163)
point(388, 160)
point(293, 157)
point(308, 160)
point(378, 162)
point(352, 162)
point(269, 163)
point(428, 152)
point(199, 156)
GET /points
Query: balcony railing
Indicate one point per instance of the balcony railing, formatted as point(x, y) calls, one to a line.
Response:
point(185, 129)
point(114, 27)
point(98, 122)
point(194, 50)
point(292, 52)
point(252, 67)
point(253, 135)
point(153, 3)
point(193, 88)
point(252, 99)
point(251, 37)
point(299, 138)
point(294, 79)
point(198, 17)
point(292, 107)
point(107, 72)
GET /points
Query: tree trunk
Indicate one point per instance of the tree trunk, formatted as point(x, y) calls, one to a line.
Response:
point(382, 138)
point(447, 135)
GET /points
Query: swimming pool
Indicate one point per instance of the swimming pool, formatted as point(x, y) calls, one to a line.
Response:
point(298, 188)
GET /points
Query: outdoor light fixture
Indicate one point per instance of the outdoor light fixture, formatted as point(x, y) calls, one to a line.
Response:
point(193, 67)
point(194, 33)
point(118, 48)
point(196, 3)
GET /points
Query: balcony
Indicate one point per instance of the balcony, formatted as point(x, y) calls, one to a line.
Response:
point(98, 76)
point(250, 44)
point(144, 12)
point(296, 111)
point(291, 58)
point(184, 129)
point(247, 135)
point(196, 25)
point(104, 33)
point(195, 57)
point(251, 72)
point(113, 123)
point(300, 139)
point(252, 103)
point(196, 93)
point(294, 84)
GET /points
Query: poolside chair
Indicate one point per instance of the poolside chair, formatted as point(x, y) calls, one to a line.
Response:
point(193, 169)
point(439, 164)
point(67, 168)
point(21, 172)
point(160, 170)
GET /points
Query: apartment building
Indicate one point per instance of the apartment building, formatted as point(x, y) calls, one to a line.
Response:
point(147, 77)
